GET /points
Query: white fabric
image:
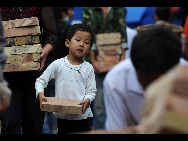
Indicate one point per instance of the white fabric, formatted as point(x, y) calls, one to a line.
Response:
point(70, 84)
point(123, 96)
point(131, 33)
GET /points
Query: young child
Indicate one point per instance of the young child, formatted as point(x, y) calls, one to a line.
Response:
point(74, 79)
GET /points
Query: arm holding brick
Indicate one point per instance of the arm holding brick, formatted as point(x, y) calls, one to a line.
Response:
point(91, 86)
point(90, 91)
point(43, 80)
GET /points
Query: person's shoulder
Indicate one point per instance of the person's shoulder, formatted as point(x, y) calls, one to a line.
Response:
point(125, 64)
point(120, 68)
point(88, 65)
point(59, 61)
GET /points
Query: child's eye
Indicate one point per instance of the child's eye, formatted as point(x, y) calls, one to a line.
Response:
point(86, 42)
point(77, 39)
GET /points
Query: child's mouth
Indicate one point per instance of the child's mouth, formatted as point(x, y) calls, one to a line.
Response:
point(80, 50)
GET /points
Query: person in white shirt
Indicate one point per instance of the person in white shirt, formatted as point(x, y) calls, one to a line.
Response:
point(153, 53)
point(131, 33)
point(74, 79)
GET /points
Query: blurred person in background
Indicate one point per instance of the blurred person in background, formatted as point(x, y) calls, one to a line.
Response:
point(125, 84)
point(103, 20)
point(24, 111)
point(5, 92)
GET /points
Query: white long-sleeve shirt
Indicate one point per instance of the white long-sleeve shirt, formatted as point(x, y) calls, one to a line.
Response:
point(70, 84)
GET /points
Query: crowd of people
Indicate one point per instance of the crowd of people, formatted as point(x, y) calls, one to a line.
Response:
point(70, 68)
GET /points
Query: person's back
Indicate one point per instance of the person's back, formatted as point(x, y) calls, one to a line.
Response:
point(104, 20)
point(153, 53)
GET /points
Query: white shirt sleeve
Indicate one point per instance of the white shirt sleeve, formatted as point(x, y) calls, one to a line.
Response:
point(91, 86)
point(42, 81)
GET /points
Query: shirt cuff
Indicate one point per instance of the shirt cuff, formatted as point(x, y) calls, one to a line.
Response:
point(50, 42)
point(38, 91)
point(91, 96)
point(124, 45)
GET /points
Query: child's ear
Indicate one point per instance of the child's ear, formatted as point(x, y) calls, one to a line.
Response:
point(67, 43)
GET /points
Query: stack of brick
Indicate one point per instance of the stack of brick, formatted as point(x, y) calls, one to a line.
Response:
point(22, 46)
point(166, 104)
point(109, 50)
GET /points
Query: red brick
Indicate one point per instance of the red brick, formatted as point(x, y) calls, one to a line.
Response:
point(20, 22)
point(22, 31)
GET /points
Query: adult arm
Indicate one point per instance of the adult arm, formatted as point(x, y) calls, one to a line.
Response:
point(49, 33)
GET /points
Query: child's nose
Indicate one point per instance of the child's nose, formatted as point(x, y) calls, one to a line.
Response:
point(82, 44)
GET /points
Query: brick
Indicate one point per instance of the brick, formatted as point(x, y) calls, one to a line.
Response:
point(108, 38)
point(166, 101)
point(25, 40)
point(19, 67)
point(107, 63)
point(23, 49)
point(110, 50)
point(22, 58)
point(22, 31)
point(61, 105)
point(33, 21)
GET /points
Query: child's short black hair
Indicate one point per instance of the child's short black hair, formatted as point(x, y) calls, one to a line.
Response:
point(80, 27)
point(155, 50)
point(163, 13)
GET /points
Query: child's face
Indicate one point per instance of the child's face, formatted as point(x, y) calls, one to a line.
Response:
point(79, 45)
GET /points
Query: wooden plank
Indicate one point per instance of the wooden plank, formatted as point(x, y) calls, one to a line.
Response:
point(61, 105)
point(23, 49)
point(25, 40)
point(20, 22)
point(22, 31)
point(22, 58)
point(19, 67)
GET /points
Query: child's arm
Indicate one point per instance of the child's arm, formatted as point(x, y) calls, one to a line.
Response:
point(85, 104)
point(90, 91)
point(41, 98)
point(42, 81)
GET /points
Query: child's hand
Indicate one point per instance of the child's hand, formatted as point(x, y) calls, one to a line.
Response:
point(84, 104)
point(42, 98)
